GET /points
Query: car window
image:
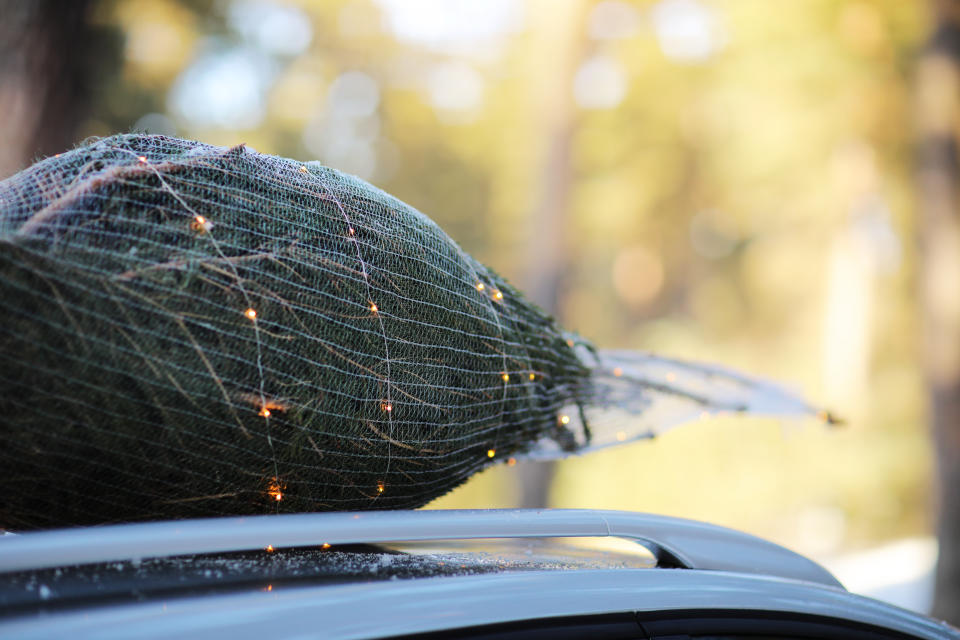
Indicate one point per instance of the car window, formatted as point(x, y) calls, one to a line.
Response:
point(759, 625)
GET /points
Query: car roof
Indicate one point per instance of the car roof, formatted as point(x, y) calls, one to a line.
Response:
point(401, 607)
point(335, 575)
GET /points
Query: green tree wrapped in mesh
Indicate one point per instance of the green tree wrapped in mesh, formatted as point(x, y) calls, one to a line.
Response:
point(193, 331)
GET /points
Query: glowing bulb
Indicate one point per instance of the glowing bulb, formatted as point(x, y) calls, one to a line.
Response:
point(533, 377)
point(269, 587)
point(303, 169)
point(351, 231)
point(491, 453)
point(480, 286)
point(511, 462)
point(251, 313)
point(621, 436)
point(200, 224)
point(142, 159)
point(325, 545)
point(275, 491)
point(386, 406)
point(497, 295)
point(380, 486)
point(374, 308)
point(564, 419)
point(269, 548)
point(618, 372)
point(570, 342)
point(264, 413)
point(506, 377)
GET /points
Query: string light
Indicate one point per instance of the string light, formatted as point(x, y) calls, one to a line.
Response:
point(386, 406)
point(533, 377)
point(480, 286)
point(506, 377)
point(142, 159)
point(511, 462)
point(380, 486)
point(617, 372)
point(325, 546)
point(491, 453)
point(569, 342)
point(251, 313)
point(374, 308)
point(200, 224)
point(269, 548)
point(275, 492)
point(498, 295)
point(264, 412)
point(269, 587)
point(564, 419)
point(351, 231)
point(303, 169)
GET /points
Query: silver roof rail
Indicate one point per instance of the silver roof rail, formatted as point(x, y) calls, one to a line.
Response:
point(674, 542)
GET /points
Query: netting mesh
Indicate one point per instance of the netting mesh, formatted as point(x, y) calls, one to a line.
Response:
point(190, 331)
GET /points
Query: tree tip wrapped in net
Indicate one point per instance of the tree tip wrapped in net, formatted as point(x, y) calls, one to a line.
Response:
point(191, 331)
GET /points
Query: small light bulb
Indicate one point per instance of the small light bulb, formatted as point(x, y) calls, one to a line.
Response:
point(303, 169)
point(251, 313)
point(142, 159)
point(564, 419)
point(491, 453)
point(621, 436)
point(386, 406)
point(275, 491)
point(200, 224)
point(380, 486)
point(480, 286)
point(374, 308)
point(511, 462)
point(325, 545)
point(264, 413)
point(618, 372)
point(269, 548)
point(351, 231)
point(533, 377)
point(497, 295)
point(506, 377)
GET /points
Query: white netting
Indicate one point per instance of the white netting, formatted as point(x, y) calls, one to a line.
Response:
point(190, 330)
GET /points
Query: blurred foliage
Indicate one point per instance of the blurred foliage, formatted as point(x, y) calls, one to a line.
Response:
point(740, 191)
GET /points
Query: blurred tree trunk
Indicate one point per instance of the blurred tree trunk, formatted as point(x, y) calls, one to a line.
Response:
point(46, 74)
point(558, 54)
point(938, 128)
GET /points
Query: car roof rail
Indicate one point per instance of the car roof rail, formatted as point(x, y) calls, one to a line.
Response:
point(674, 542)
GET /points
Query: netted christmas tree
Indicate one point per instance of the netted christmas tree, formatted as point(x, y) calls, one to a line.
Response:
point(189, 330)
